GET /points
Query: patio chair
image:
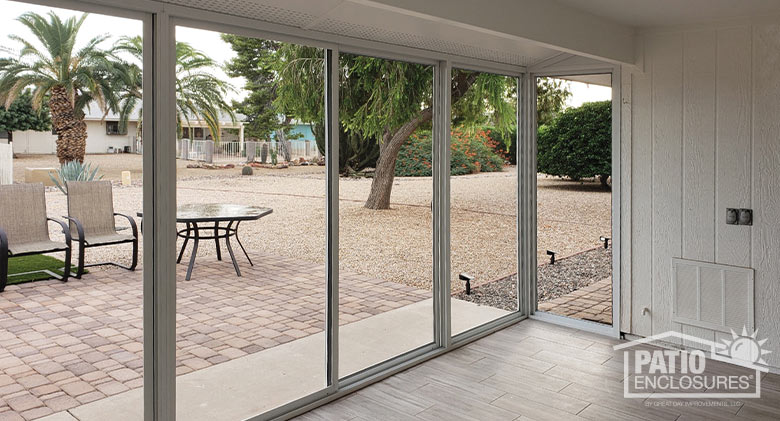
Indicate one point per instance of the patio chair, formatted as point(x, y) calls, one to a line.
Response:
point(91, 215)
point(24, 229)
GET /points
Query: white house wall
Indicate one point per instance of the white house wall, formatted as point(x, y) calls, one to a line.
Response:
point(31, 142)
point(704, 135)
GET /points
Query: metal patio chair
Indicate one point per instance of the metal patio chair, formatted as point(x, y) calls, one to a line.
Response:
point(91, 215)
point(24, 229)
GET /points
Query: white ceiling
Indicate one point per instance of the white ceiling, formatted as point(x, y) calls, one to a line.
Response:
point(355, 19)
point(650, 13)
point(515, 32)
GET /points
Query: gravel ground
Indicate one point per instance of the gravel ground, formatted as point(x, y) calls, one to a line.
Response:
point(566, 275)
point(573, 273)
point(112, 165)
point(395, 244)
point(498, 294)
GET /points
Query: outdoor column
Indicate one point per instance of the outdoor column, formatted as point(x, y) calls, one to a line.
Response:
point(209, 152)
point(241, 137)
point(251, 148)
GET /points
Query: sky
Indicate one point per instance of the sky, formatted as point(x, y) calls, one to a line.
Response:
point(583, 92)
point(206, 41)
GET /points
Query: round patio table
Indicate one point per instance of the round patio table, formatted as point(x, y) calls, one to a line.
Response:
point(203, 223)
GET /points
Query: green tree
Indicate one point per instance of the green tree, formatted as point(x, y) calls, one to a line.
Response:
point(383, 102)
point(199, 93)
point(254, 61)
point(69, 78)
point(551, 96)
point(22, 116)
point(578, 143)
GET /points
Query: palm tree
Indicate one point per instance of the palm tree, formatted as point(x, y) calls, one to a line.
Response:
point(69, 78)
point(199, 94)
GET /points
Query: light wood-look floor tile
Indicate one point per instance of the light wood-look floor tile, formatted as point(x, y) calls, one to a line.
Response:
point(530, 371)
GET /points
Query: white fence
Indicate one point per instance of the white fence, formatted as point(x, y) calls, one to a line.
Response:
point(306, 149)
point(6, 164)
point(236, 152)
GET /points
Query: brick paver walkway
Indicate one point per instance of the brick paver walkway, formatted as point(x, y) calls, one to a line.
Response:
point(63, 345)
point(593, 302)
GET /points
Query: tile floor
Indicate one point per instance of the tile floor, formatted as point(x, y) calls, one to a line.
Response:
point(533, 371)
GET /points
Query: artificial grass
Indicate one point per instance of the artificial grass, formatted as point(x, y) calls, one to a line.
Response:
point(34, 263)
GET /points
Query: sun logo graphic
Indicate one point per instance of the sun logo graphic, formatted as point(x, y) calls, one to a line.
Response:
point(657, 367)
point(744, 348)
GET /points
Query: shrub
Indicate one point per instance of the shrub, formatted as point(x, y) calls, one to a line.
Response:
point(74, 171)
point(247, 170)
point(578, 143)
point(470, 152)
point(502, 139)
point(479, 147)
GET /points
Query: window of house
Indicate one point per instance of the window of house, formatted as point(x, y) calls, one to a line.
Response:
point(112, 128)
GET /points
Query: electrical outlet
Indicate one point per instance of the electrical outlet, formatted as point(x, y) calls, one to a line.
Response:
point(732, 216)
point(746, 217)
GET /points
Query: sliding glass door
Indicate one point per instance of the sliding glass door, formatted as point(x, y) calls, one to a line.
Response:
point(483, 198)
point(385, 219)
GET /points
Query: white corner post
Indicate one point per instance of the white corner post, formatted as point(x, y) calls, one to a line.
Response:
point(331, 87)
point(441, 204)
point(241, 137)
point(159, 196)
point(617, 193)
point(526, 172)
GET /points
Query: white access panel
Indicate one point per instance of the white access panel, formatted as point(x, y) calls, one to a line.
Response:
point(712, 296)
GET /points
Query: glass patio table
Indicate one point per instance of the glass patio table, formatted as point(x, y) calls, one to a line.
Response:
point(203, 221)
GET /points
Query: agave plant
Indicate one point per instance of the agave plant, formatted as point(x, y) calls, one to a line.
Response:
point(74, 171)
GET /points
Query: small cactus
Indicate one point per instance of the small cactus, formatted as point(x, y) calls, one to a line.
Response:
point(247, 170)
point(264, 152)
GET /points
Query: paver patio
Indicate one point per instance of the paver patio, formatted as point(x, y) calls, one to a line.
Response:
point(593, 303)
point(63, 345)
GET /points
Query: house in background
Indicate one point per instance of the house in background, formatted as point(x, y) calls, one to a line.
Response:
point(104, 136)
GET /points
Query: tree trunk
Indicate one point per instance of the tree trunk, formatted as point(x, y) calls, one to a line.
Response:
point(71, 131)
point(382, 184)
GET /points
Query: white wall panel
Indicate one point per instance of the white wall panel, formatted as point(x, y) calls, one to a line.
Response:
point(667, 74)
point(766, 187)
point(698, 165)
point(641, 204)
point(704, 136)
point(733, 143)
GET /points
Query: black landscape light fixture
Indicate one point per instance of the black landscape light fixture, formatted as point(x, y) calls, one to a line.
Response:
point(605, 240)
point(552, 256)
point(468, 278)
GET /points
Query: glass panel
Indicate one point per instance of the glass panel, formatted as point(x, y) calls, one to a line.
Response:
point(483, 198)
point(385, 221)
point(574, 206)
point(75, 346)
point(251, 303)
